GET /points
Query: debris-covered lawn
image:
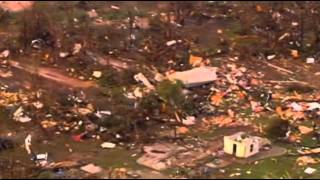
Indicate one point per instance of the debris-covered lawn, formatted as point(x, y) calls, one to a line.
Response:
point(159, 90)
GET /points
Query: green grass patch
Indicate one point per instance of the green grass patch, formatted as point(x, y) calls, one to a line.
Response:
point(121, 14)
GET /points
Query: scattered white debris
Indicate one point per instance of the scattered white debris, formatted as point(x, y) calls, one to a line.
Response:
point(97, 74)
point(130, 95)
point(296, 107)
point(114, 7)
point(91, 168)
point(271, 57)
point(310, 60)
point(27, 143)
point(92, 13)
point(108, 145)
point(159, 77)
point(313, 105)
point(100, 114)
point(309, 170)
point(48, 115)
point(5, 54)
point(141, 78)
point(42, 159)
point(106, 112)
point(294, 23)
point(83, 111)
point(18, 116)
point(76, 49)
point(48, 124)
point(118, 136)
point(235, 174)
point(133, 155)
point(190, 120)
point(211, 165)
point(133, 37)
point(137, 92)
point(63, 54)
point(222, 170)
point(170, 43)
point(37, 43)
point(38, 105)
point(171, 62)
point(283, 36)
point(103, 129)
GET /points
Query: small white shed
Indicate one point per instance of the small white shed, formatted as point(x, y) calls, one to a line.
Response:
point(242, 145)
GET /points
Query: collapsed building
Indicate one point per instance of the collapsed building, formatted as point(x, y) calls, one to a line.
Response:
point(242, 145)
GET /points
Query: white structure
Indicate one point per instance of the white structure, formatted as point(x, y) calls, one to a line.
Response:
point(242, 145)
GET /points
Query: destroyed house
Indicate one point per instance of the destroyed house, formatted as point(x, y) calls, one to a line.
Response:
point(242, 145)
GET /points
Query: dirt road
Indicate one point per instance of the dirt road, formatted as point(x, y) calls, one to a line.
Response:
point(54, 75)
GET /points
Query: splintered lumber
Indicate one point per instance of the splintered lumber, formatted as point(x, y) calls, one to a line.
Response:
point(278, 68)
